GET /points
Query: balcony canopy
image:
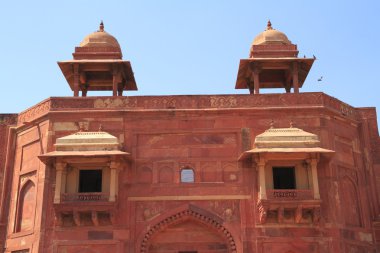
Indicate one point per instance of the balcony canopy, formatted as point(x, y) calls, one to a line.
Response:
point(85, 144)
point(286, 140)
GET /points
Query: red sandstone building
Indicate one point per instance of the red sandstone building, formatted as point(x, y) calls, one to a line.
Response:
point(281, 173)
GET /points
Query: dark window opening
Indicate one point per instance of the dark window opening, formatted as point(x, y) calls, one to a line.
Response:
point(284, 178)
point(90, 181)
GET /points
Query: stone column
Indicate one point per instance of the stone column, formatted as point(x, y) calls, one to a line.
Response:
point(314, 174)
point(114, 80)
point(256, 81)
point(60, 183)
point(262, 185)
point(76, 80)
point(295, 77)
point(113, 181)
point(84, 92)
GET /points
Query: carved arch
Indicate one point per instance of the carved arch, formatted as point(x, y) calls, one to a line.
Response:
point(350, 197)
point(166, 175)
point(145, 175)
point(26, 206)
point(202, 216)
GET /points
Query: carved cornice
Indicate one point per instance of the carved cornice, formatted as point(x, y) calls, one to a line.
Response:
point(34, 112)
point(192, 102)
point(8, 119)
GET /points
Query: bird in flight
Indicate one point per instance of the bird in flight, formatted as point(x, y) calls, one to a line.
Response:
point(320, 79)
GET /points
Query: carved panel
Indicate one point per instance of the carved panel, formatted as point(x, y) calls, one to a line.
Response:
point(339, 106)
point(30, 152)
point(348, 196)
point(144, 174)
point(166, 175)
point(148, 210)
point(87, 247)
point(110, 103)
point(344, 150)
point(350, 173)
point(230, 172)
point(227, 209)
point(71, 103)
point(34, 112)
point(210, 172)
point(270, 246)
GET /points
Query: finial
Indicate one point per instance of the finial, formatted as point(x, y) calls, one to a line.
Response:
point(291, 124)
point(271, 124)
point(100, 128)
point(101, 27)
point(269, 25)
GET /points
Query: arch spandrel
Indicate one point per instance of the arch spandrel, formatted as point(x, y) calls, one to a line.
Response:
point(211, 222)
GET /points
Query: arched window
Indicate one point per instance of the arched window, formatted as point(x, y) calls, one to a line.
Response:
point(26, 207)
point(187, 175)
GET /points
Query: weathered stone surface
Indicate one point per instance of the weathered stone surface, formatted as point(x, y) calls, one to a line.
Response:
point(132, 198)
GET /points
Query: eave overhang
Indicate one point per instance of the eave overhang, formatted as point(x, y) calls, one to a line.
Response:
point(45, 158)
point(257, 151)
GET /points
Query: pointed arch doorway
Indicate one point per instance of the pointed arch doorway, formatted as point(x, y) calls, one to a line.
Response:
point(187, 237)
point(188, 231)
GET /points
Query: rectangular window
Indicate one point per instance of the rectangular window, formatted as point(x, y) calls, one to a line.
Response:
point(284, 178)
point(90, 181)
point(187, 175)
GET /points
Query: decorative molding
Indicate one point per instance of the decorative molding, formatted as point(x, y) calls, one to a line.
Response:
point(110, 103)
point(228, 209)
point(192, 102)
point(8, 119)
point(192, 213)
point(192, 197)
point(34, 112)
point(339, 106)
point(71, 103)
point(367, 113)
point(350, 173)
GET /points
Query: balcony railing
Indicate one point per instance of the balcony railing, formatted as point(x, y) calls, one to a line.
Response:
point(84, 197)
point(289, 194)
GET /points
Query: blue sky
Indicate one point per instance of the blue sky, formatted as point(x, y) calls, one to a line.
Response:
point(188, 47)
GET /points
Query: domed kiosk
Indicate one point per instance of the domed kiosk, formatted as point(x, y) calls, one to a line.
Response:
point(271, 36)
point(98, 66)
point(273, 63)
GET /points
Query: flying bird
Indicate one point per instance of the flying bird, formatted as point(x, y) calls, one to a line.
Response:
point(320, 79)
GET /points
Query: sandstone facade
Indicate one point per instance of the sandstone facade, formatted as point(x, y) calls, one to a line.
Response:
point(181, 173)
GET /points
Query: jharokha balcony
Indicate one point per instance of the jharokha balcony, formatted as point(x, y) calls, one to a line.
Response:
point(84, 209)
point(289, 194)
point(84, 197)
point(289, 206)
point(287, 164)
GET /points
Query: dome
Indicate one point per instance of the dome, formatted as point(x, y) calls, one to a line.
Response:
point(100, 38)
point(271, 36)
